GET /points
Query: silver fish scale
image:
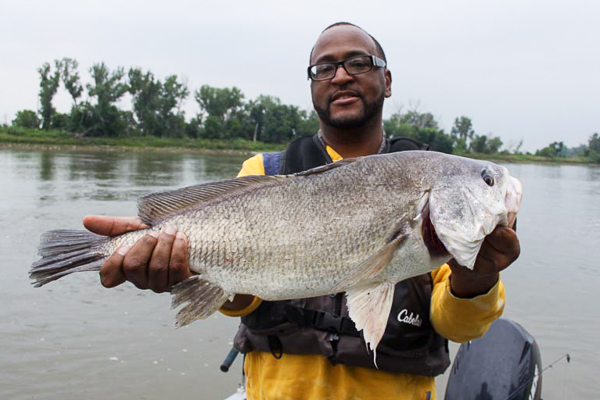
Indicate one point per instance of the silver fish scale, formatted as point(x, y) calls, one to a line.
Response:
point(301, 236)
point(297, 238)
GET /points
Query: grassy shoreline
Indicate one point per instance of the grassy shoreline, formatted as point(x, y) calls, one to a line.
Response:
point(32, 139)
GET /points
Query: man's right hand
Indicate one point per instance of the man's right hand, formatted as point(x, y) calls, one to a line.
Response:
point(157, 261)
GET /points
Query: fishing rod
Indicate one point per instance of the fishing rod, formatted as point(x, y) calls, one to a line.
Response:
point(526, 383)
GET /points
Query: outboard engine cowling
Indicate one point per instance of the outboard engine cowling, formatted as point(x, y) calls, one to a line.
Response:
point(504, 364)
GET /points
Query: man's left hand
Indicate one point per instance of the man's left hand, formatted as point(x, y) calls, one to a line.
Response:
point(499, 249)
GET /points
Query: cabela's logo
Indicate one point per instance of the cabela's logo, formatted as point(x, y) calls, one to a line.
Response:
point(411, 319)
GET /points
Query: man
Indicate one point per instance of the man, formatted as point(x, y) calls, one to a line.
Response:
point(288, 357)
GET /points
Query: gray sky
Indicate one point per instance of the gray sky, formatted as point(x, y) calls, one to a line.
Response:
point(521, 70)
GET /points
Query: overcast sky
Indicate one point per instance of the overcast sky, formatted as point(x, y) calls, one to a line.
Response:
point(521, 70)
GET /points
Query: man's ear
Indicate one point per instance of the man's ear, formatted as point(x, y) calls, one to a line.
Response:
point(387, 75)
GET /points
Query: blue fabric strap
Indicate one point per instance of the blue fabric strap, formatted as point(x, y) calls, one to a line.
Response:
point(271, 163)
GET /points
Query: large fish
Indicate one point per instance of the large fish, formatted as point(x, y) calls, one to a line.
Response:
point(358, 225)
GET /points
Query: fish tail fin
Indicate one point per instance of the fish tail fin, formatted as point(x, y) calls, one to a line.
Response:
point(63, 252)
point(202, 299)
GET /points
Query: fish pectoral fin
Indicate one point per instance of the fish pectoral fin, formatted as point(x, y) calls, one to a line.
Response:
point(372, 265)
point(201, 298)
point(369, 307)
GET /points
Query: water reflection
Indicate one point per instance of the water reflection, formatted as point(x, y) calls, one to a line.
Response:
point(550, 172)
point(92, 166)
point(147, 169)
point(119, 176)
point(47, 166)
point(593, 173)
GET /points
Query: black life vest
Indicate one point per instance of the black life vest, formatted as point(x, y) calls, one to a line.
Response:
point(321, 325)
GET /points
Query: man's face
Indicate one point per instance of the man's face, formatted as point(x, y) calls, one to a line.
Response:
point(348, 101)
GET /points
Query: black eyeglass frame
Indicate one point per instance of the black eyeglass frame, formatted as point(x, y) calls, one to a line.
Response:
point(375, 62)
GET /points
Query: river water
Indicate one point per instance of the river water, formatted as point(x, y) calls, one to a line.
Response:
point(73, 339)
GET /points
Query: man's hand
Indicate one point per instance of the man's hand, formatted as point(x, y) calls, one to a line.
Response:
point(156, 262)
point(499, 249)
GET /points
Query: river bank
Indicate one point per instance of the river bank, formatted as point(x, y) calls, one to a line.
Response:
point(31, 139)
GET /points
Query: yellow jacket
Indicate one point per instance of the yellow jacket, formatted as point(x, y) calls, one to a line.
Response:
point(313, 377)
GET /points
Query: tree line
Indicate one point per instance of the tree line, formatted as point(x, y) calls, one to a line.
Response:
point(224, 114)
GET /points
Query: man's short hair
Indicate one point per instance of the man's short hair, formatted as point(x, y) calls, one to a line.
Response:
point(377, 45)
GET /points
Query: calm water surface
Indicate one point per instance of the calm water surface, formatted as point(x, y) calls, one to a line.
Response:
point(74, 339)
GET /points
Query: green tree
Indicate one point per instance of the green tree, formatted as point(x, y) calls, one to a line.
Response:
point(419, 120)
point(436, 138)
point(594, 143)
point(49, 82)
point(309, 124)
point(485, 145)
point(220, 105)
point(60, 121)
point(103, 117)
point(494, 144)
point(145, 92)
point(546, 152)
point(593, 151)
point(218, 102)
point(256, 110)
point(172, 95)
point(559, 148)
point(281, 123)
point(193, 129)
point(70, 78)
point(26, 119)
point(462, 129)
point(554, 149)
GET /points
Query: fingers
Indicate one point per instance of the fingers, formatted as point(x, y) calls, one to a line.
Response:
point(156, 262)
point(111, 226)
point(499, 250)
point(158, 268)
point(111, 273)
point(136, 261)
point(179, 268)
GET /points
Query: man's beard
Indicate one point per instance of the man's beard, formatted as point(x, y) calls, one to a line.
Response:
point(369, 111)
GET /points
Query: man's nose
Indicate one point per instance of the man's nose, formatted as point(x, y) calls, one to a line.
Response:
point(341, 76)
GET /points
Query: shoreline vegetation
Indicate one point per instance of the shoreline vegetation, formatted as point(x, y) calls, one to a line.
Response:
point(34, 139)
point(226, 121)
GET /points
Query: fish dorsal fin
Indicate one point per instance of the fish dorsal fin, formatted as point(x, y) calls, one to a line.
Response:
point(157, 206)
point(372, 265)
point(327, 167)
point(369, 307)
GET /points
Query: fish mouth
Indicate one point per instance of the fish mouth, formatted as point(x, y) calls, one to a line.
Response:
point(430, 238)
point(512, 200)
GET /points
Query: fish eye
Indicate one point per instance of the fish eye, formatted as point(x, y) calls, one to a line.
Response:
point(488, 178)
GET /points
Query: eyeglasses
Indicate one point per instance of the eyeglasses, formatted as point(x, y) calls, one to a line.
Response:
point(353, 66)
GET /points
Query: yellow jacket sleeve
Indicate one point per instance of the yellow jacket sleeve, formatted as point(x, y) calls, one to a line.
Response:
point(252, 166)
point(460, 319)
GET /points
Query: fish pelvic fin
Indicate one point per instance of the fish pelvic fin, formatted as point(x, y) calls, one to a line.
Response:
point(372, 265)
point(66, 251)
point(201, 298)
point(369, 307)
point(159, 206)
